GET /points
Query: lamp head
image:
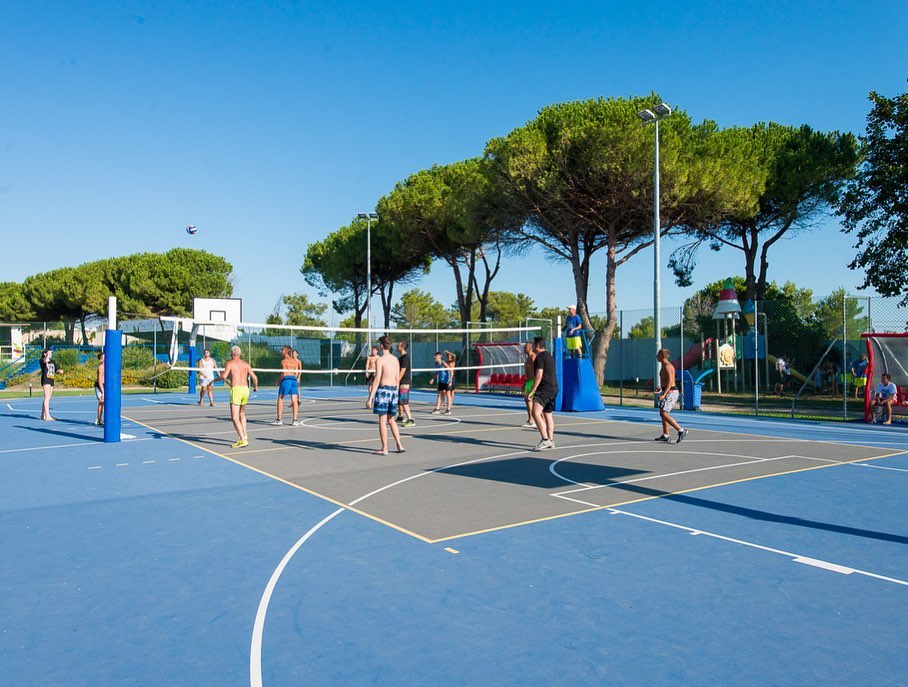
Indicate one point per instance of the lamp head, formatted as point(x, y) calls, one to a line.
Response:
point(662, 110)
point(362, 215)
point(646, 116)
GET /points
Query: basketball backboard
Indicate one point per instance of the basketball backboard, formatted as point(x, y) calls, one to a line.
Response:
point(226, 310)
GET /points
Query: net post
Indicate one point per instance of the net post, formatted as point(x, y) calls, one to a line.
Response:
point(113, 365)
point(192, 365)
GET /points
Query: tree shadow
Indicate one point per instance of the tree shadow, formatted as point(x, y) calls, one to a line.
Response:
point(534, 472)
point(60, 433)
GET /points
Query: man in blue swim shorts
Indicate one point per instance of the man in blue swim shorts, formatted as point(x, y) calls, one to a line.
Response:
point(384, 396)
point(288, 387)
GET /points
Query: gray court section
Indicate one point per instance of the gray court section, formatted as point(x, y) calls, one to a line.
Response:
point(477, 471)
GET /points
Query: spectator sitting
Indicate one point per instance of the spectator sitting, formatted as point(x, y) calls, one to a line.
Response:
point(883, 399)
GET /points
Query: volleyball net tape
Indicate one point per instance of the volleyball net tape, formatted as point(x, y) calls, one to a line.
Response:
point(337, 355)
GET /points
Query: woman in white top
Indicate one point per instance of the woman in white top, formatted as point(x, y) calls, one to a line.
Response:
point(207, 368)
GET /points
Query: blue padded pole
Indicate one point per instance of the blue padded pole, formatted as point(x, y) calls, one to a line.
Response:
point(192, 364)
point(113, 365)
point(559, 371)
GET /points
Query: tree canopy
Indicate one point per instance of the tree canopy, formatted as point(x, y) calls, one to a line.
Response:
point(581, 173)
point(875, 205)
point(795, 175)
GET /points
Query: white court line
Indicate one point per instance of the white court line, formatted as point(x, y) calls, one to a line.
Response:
point(258, 627)
point(80, 443)
point(94, 467)
point(878, 467)
point(172, 460)
point(146, 462)
point(807, 560)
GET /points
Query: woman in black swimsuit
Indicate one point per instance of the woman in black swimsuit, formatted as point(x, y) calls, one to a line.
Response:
point(49, 370)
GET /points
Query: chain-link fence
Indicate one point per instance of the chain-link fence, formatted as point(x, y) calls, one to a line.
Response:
point(782, 357)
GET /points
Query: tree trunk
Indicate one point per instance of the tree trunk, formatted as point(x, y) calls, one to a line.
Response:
point(580, 269)
point(84, 333)
point(604, 340)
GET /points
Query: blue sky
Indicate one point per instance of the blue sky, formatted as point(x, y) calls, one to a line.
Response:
point(268, 125)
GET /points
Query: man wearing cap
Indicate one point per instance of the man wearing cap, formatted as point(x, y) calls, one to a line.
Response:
point(572, 326)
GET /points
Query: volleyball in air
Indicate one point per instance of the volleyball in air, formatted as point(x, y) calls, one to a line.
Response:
point(191, 229)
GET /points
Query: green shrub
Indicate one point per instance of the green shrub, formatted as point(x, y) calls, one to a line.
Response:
point(66, 358)
point(171, 379)
point(77, 378)
point(137, 358)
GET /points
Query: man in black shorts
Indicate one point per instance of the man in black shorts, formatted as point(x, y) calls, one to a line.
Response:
point(406, 378)
point(543, 394)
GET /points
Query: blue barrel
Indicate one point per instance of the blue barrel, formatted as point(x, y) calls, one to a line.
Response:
point(692, 392)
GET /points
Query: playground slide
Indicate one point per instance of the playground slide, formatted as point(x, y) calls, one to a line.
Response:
point(694, 356)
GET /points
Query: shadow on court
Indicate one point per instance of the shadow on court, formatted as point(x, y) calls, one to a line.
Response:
point(534, 472)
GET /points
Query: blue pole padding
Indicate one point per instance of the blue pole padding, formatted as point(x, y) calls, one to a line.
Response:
point(113, 366)
point(559, 370)
point(192, 363)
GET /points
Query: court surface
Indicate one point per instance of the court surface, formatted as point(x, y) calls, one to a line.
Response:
point(756, 552)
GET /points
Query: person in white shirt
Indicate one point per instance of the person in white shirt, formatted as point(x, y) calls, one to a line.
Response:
point(884, 397)
point(207, 368)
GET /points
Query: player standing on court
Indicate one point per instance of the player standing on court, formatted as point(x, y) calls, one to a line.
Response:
point(528, 373)
point(99, 389)
point(207, 368)
point(384, 396)
point(543, 394)
point(237, 374)
point(667, 396)
point(288, 387)
point(406, 379)
point(49, 370)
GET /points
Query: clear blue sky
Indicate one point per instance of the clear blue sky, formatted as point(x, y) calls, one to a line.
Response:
point(268, 125)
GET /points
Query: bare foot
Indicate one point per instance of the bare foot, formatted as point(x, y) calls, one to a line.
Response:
point(379, 452)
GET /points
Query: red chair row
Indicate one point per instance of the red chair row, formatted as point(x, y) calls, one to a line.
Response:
point(507, 380)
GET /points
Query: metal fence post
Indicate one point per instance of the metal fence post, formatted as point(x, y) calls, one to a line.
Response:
point(621, 358)
point(844, 355)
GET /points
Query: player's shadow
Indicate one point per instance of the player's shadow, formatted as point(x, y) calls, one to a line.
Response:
point(61, 433)
point(530, 471)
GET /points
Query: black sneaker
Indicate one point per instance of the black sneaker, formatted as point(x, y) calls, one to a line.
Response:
point(664, 437)
point(683, 433)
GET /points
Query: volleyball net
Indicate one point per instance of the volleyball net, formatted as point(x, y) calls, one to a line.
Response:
point(337, 356)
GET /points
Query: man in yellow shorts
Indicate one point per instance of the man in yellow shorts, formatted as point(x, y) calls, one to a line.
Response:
point(237, 374)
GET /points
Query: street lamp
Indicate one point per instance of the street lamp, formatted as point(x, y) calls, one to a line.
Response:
point(369, 217)
point(659, 112)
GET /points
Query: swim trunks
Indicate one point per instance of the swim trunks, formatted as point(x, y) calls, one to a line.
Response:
point(385, 401)
point(668, 403)
point(288, 387)
point(239, 395)
point(98, 392)
point(404, 396)
point(527, 387)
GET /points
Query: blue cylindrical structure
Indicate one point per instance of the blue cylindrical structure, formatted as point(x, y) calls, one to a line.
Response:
point(113, 366)
point(192, 365)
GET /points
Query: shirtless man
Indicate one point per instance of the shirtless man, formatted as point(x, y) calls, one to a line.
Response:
point(371, 362)
point(237, 373)
point(289, 386)
point(207, 368)
point(299, 373)
point(384, 396)
point(99, 389)
point(528, 382)
point(667, 396)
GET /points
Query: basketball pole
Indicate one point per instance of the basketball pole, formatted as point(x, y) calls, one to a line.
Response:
point(113, 366)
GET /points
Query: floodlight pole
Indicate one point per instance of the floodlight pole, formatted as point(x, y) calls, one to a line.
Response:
point(657, 281)
point(368, 216)
point(661, 111)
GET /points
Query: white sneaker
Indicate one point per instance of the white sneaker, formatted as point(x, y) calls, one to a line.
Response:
point(296, 423)
point(528, 424)
point(276, 423)
point(435, 412)
point(544, 445)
